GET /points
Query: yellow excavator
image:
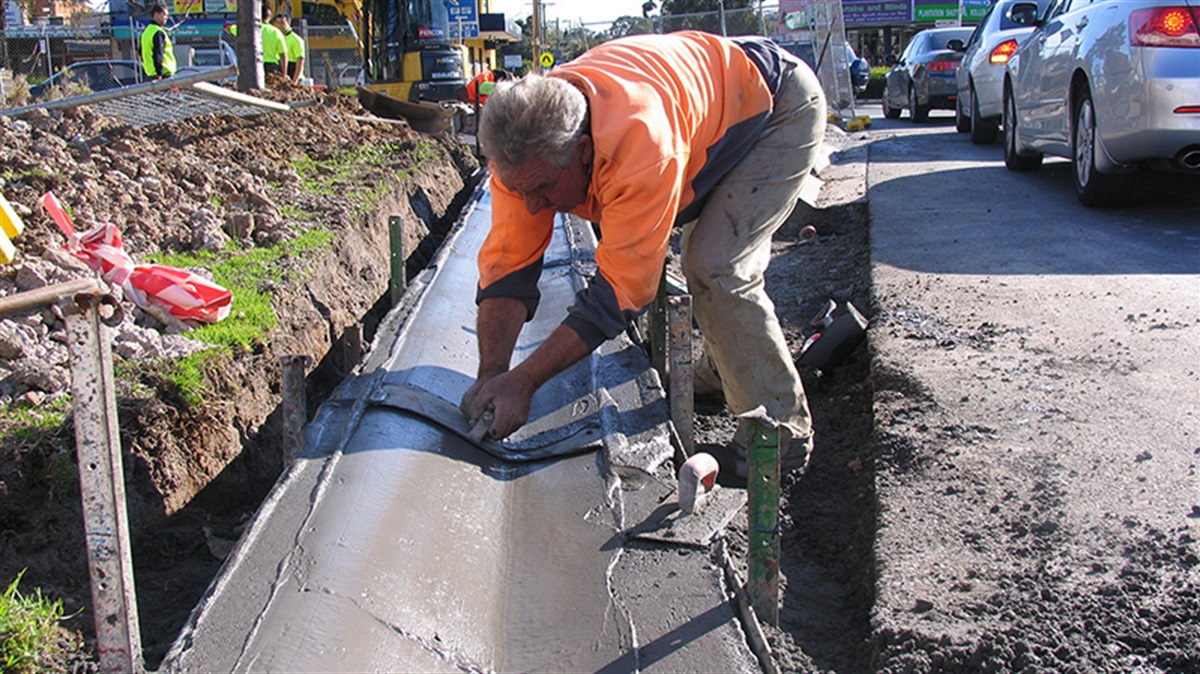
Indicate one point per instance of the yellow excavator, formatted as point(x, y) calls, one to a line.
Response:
point(410, 64)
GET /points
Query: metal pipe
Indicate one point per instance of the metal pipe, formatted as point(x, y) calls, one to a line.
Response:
point(46, 295)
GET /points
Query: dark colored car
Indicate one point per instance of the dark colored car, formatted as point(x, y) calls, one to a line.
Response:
point(89, 76)
point(924, 77)
point(860, 70)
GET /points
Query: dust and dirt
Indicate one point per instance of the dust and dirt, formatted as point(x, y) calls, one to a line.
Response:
point(197, 470)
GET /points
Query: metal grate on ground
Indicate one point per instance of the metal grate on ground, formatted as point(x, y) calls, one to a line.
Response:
point(164, 101)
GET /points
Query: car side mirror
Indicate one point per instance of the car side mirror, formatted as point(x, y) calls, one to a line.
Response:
point(1024, 13)
point(890, 60)
point(955, 45)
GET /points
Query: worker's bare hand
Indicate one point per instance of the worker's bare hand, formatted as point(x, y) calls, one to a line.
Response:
point(508, 396)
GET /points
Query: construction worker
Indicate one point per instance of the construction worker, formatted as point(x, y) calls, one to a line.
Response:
point(274, 47)
point(482, 85)
point(639, 135)
point(295, 47)
point(158, 56)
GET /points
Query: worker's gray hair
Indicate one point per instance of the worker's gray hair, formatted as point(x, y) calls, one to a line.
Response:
point(533, 116)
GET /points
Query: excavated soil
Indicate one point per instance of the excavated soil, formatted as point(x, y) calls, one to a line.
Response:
point(195, 472)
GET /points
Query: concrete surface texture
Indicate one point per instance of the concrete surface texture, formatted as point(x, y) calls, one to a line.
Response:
point(393, 545)
point(1036, 417)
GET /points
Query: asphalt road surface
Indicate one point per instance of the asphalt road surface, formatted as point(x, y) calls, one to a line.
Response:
point(1036, 412)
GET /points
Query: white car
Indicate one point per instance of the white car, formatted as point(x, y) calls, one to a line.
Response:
point(1113, 85)
point(980, 77)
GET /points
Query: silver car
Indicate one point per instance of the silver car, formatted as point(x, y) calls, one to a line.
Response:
point(1113, 85)
point(923, 78)
point(980, 77)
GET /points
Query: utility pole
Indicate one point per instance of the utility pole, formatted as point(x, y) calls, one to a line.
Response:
point(537, 29)
point(249, 45)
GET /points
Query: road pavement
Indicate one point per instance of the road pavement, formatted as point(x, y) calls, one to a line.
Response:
point(1036, 412)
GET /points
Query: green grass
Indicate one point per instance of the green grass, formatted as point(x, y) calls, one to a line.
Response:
point(30, 424)
point(328, 176)
point(248, 273)
point(245, 272)
point(31, 639)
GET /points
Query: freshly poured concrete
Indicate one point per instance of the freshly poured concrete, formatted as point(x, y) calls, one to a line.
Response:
point(394, 545)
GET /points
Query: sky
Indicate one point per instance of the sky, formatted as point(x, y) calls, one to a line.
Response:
point(590, 11)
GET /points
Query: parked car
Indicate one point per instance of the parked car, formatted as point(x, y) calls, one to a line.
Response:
point(859, 69)
point(980, 77)
point(923, 78)
point(1112, 85)
point(88, 76)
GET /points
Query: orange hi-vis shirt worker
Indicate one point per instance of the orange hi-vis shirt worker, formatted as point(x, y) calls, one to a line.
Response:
point(669, 118)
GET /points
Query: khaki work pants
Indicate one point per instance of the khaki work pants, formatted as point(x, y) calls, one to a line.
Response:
point(726, 251)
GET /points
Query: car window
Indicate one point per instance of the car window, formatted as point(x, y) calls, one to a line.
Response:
point(124, 72)
point(914, 47)
point(941, 40)
point(977, 34)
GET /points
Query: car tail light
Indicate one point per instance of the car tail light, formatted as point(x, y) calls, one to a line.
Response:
point(942, 66)
point(1003, 51)
point(1164, 27)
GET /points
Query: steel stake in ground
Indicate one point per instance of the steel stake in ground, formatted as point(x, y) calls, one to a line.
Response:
point(102, 480)
point(295, 405)
point(396, 238)
point(762, 485)
point(679, 341)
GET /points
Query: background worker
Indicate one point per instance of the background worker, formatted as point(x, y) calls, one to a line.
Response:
point(158, 56)
point(482, 85)
point(294, 46)
point(642, 134)
point(274, 47)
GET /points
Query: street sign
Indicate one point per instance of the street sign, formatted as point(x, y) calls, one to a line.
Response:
point(546, 59)
point(464, 11)
point(464, 30)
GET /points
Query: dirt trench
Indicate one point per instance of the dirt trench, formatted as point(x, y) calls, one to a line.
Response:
point(196, 471)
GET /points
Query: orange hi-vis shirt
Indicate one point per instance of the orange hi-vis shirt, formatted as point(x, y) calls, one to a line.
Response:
point(670, 115)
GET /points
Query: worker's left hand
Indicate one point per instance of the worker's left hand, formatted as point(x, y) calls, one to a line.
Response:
point(509, 395)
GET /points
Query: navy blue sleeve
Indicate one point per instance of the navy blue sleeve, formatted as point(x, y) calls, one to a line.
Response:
point(596, 316)
point(521, 284)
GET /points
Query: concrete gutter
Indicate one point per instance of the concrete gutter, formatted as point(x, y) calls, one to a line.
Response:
point(394, 545)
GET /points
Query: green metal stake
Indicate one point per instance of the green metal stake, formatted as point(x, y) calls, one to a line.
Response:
point(396, 239)
point(762, 485)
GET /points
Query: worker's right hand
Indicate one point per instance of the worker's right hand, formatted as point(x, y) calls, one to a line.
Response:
point(507, 394)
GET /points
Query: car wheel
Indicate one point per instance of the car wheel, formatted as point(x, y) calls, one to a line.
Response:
point(982, 132)
point(1012, 160)
point(962, 123)
point(889, 111)
point(919, 113)
point(1093, 187)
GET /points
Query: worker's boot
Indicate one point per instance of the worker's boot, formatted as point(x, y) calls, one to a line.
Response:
point(794, 452)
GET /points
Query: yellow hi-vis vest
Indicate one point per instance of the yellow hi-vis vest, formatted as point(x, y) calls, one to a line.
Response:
point(168, 57)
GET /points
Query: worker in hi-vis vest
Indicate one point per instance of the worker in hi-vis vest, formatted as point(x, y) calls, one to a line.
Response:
point(158, 56)
point(295, 47)
point(274, 47)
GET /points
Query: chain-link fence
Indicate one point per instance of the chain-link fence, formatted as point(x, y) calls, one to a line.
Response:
point(333, 59)
point(45, 62)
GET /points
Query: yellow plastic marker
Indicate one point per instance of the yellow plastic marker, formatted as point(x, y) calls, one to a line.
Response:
point(10, 227)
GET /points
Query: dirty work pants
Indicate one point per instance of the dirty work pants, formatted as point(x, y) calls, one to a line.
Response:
point(726, 251)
